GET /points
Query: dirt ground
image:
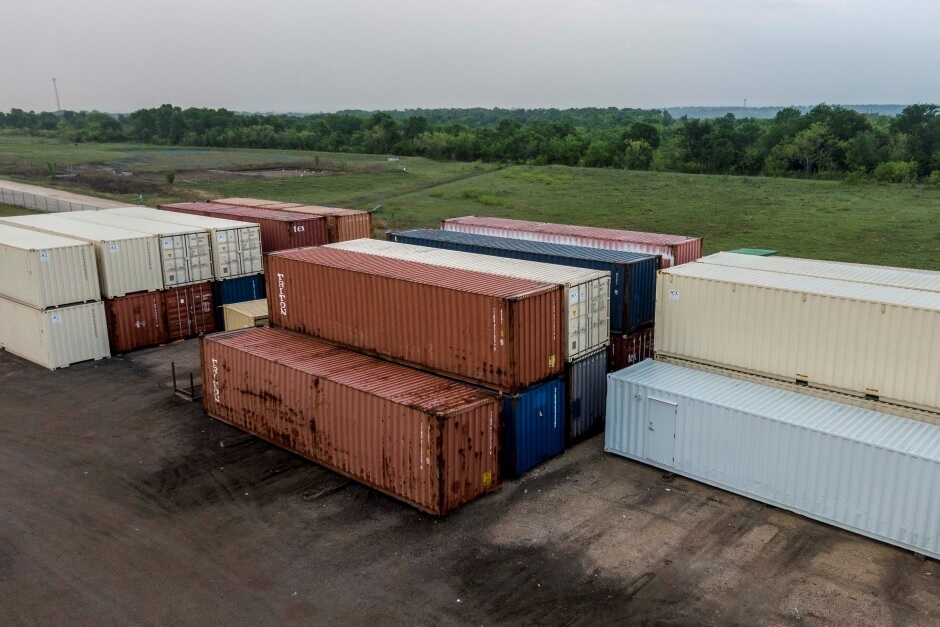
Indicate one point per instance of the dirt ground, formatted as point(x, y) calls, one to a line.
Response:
point(121, 504)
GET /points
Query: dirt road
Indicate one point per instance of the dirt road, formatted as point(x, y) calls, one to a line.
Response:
point(49, 199)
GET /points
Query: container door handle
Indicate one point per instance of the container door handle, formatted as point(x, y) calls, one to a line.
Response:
point(651, 426)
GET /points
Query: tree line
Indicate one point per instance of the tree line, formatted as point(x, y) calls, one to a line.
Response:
point(827, 141)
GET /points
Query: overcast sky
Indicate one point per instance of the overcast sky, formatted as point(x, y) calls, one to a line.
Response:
point(325, 55)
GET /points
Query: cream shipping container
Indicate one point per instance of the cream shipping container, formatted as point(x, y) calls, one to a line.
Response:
point(586, 292)
point(236, 246)
point(54, 338)
point(184, 250)
point(867, 340)
point(43, 270)
point(867, 472)
point(128, 261)
point(251, 313)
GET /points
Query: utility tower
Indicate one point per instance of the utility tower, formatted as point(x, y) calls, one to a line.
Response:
point(57, 105)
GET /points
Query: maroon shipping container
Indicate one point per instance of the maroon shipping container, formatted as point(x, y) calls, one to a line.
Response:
point(280, 230)
point(190, 311)
point(626, 350)
point(341, 224)
point(497, 331)
point(136, 321)
point(675, 249)
point(426, 440)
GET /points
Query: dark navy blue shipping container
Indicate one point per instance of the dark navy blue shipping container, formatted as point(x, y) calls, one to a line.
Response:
point(533, 426)
point(586, 392)
point(236, 291)
point(632, 275)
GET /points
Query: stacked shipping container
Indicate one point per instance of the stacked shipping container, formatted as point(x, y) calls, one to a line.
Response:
point(342, 224)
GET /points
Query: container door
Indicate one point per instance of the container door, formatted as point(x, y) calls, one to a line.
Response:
point(578, 323)
point(226, 259)
point(661, 432)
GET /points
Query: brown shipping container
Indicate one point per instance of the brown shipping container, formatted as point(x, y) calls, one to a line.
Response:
point(190, 311)
point(342, 224)
point(136, 321)
point(280, 230)
point(626, 350)
point(425, 440)
point(497, 331)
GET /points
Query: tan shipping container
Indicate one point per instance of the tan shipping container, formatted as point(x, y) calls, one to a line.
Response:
point(867, 340)
point(54, 338)
point(251, 313)
point(43, 270)
point(128, 261)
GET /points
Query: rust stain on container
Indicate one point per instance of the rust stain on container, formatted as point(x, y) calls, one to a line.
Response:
point(342, 224)
point(497, 331)
point(190, 311)
point(425, 440)
point(136, 321)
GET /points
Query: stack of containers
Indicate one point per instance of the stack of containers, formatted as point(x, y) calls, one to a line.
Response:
point(237, 263)
point(252, 313)
point(50, 307)
point(498, 332)
point(586, 295)
point(342, 224)
point(280, 230)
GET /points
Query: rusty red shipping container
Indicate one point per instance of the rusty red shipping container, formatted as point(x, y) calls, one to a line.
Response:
point(425, 440)
point(629, 349)
point(136, 321)
point(342, 224)
point(190, 311)
point(675, 249)
point(280, 230)
point(497, 331)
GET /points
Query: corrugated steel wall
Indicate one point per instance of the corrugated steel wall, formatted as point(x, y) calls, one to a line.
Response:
point(54, 338)
point(586, 394)
point(342, 224)
point(136, 321)
point(190, 311)
point(253, 313)
point(236, 291)
point(428, 441)
point(870, 473)
point(533, 426)
point(629, 349)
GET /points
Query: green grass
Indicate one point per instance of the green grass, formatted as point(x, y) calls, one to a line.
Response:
point(889, 224)
point(10, 210)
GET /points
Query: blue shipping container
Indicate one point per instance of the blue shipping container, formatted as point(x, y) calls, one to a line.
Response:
point(632, 275)
point(236, 291)
point(586, 391)
point(533, 426)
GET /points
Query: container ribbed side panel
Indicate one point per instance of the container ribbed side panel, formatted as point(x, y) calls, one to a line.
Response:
point(342, 224)
point(586, 394)
point(237, 290)
point(253, 313)
point(54, 338)
point(629, 349)
point(426, 440)
point(190, 311)
point(136, 321)
point(533, 426)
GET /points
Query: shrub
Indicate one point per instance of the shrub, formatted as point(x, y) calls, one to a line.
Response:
point(896, 172)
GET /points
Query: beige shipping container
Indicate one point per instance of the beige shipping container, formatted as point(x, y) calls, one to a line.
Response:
point(858, 273)
point(54, 338)
point(867, 340)
point(128, 261)
point(236, 246)
point(42, 270)
point(251, 313)
point(586, 292)
point(184, 250)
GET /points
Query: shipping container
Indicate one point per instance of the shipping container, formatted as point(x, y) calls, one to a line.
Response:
point(674, 249)
point(869, 473)
point(630, 348)
point(185, 254)
point(54, 338)
point(874, 275)
point(632, 275)
point(136, 321)
point(127, 261)
point(236, 246)
point(42, 270)
point(342, 224)
point(586, 292)
point(280, 230)
point(499, 332)
point(868, 340)
point(253, 313)
point(425, 440)
point(190, 311)
point(533, 427)
point(238, 290)
point(586, 393)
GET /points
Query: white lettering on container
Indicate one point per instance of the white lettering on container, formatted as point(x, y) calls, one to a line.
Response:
point(281, 296)
point(215, 380)
point(674, 294)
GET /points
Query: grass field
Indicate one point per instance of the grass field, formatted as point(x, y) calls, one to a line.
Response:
point(895, 224)
point(10, 210)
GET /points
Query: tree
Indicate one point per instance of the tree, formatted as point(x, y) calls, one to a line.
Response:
point(170, 177)
point(638, 155)
point(921, 126)
point(809, 147)
point(643, 131)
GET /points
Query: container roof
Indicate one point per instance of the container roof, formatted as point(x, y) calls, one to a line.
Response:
point(618, 235)
point(26, 239)
point(58, 225)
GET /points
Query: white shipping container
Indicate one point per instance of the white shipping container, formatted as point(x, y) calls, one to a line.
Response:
point(184, 250)
point(858, 273)
point(867, 472)
point(868, 340)
point(54, 338)
point(236, 246)
point(42, 270)
point(587, 292)
point(128, 261)
point(251, 313)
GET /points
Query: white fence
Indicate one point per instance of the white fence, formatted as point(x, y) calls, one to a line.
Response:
point(41, 203)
